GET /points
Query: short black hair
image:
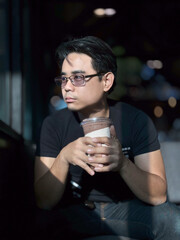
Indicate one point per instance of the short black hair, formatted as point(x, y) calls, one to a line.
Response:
point(103, 59)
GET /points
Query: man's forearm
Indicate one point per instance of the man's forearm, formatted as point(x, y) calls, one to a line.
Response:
point(50, 187)
point(148, 187)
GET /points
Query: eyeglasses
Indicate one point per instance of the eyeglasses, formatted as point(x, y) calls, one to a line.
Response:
point(78, 80)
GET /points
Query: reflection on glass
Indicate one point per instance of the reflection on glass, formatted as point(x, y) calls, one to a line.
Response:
point(4, 67)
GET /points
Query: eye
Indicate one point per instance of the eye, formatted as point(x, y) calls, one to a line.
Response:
point(58, 82)
point(63, 78)
point(78, 77)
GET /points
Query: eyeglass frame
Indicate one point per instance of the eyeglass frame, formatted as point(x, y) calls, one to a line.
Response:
point(59, 80)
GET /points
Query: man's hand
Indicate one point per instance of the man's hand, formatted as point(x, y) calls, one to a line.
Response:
point(101, 154)
point(76, 153)
point(108, 153)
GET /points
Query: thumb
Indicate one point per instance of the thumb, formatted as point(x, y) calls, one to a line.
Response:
point(112, 131)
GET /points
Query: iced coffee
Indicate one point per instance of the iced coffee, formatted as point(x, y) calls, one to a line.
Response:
point(96, 127)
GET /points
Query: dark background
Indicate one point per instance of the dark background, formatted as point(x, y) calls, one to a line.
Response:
point(31, 32)
point(140, 30)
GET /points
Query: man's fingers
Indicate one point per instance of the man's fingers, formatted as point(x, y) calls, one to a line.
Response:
point(112, 131)
point(89, 169)
point(105, 168)
point(85, 166)
point(89, 141)
point(106, 150)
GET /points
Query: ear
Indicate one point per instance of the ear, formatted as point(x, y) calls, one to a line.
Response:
point(108, 80)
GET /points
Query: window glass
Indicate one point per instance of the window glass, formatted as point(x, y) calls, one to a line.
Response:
point(4, 64)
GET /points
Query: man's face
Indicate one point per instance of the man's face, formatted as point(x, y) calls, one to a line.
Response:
point(88, 98)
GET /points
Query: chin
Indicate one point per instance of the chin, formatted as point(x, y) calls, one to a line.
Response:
point(73, 108)
point(82, 110)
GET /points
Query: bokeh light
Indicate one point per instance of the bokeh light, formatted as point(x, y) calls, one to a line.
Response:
point(99, 12)
point(110, 11)
point(155, 64)
point(158, 111)
point(172, 102)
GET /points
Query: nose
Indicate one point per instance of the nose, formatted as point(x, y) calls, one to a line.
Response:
point(69, 86)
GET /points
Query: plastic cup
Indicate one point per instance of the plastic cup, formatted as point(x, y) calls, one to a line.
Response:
point(96, 127)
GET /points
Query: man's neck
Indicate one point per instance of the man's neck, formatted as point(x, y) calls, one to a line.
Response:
point(102, 112)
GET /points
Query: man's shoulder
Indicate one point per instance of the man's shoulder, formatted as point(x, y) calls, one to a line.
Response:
point(58, 117)
point(60, 114)
point(124, 107)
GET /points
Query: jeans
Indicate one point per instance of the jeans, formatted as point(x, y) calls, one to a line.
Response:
point(130, 218)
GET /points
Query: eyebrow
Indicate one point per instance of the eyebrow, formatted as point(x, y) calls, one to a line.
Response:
point(74, 72)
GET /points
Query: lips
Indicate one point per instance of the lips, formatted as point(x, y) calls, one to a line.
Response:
point(70, 100)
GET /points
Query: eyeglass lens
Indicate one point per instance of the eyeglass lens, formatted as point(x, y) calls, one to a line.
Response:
point(76, 80)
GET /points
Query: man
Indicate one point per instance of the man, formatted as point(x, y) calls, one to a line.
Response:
point(90, 189)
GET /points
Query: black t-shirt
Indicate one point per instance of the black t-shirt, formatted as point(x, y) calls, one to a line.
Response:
point(134, 129)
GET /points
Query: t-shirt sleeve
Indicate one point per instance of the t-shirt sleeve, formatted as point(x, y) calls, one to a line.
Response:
point(48, 144)
point(144, 135)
